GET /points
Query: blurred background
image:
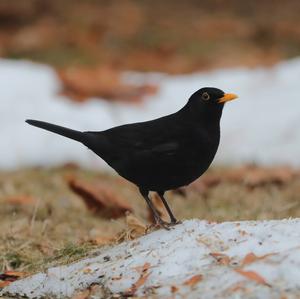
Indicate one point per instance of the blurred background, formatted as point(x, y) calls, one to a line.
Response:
point(91, 65)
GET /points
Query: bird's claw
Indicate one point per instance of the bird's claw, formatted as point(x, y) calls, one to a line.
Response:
point(175, 221)
point(166, 225)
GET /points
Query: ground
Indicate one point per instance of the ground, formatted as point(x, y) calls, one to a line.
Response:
point(168, 36)
point(44, 223)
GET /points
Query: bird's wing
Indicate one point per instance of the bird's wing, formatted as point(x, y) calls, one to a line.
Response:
point(139, 141)
point(167, 147)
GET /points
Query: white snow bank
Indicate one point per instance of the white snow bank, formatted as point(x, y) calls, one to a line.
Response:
point(260, 127)
point(197, 259)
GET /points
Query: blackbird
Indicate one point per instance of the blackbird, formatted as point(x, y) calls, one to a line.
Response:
point(161, 154)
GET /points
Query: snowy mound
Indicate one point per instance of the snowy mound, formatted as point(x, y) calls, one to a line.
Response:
point(259, 127)
point(256, 259)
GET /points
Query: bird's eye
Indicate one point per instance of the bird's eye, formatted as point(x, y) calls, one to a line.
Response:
point(205, 96)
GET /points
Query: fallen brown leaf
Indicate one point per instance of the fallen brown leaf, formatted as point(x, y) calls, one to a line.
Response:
point(221, 258)
point(193, 280)
point(252, 276)
point(201, 185)
point(239, 286)
point(249, 175)
point(99, 198)
point(251, 258)
point(141, 269)
point(81, 83)
point(82, 294)
point(101, 240)
point(137, 227)
point(21, 200)
point(10, 276)
point(87, 270)
point(174, 289)
point(4, 284)
point(253, 176)
point(141, 280)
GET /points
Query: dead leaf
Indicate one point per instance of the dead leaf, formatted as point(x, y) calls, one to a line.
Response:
point(253, 176)
point(10, 276)
point(239, 286)
point(221, 258)
point(21, 200)
point(174, 289)
point(102, 240)
point(193, 280)
point(136, 227)
point(201, 185)
point(251, 258)
point(82, 294)
point(249, 175)
point(87, 271)
point(141, 280)
point(81, 83)
point(4, 284)
point(251, 275)
point(99, 198)
point(158, 204)
point(141, 269)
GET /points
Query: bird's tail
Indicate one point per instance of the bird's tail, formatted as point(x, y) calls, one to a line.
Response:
point(73, 134)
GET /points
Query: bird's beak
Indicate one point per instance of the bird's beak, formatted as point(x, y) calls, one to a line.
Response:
point(227, 97)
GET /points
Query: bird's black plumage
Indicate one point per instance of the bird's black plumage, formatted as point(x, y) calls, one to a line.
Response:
point(161, 154)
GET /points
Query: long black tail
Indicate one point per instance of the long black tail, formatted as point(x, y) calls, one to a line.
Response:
point(73, 134)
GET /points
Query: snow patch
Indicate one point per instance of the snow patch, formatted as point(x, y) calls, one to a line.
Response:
point(260, 127)
point(185, 262)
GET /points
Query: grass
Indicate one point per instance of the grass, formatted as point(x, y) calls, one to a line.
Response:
point(56, 228)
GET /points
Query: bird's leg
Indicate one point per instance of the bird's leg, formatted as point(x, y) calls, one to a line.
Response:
point(172, 217)
point(156, 216)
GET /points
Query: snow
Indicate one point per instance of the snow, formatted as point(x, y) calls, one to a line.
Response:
point(260, 127)
point(190, 250)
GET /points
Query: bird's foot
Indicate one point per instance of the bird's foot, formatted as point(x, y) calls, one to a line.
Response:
point(175, 221)
point(167, 225)
point(159, 223)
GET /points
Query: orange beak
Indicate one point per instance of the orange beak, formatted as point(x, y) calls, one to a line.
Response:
point(227, 97)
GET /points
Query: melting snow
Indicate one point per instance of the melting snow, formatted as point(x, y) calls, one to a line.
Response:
point(248, 259)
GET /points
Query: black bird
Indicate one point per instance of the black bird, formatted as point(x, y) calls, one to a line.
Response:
point(161, 154)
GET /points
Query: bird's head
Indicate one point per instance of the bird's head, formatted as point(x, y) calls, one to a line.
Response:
point(212, 96)
point(207, 103)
